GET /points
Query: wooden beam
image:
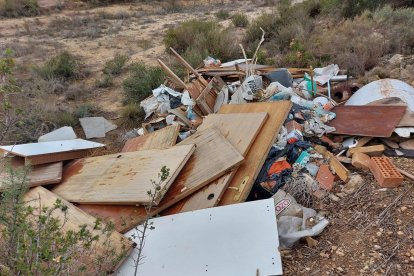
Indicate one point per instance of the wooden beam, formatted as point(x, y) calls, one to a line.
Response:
point(172, 75)
point(189, 67)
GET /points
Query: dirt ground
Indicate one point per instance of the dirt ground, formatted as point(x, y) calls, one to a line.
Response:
point(371, 230)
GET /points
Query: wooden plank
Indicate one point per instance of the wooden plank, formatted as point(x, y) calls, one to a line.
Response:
point(122, 178)
point(338, 167)
point(367, 120)
point(172, 75)
point(39, 175)
point(198, 172)
point(242, 182)
point(241, 130)
point(53, 151)
point(160, 139)
point(189, 67)
point(74, 219)
point(201, 100)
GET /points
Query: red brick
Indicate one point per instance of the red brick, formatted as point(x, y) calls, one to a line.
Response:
point(325, 177)
point(292, 125)
point(385, 172)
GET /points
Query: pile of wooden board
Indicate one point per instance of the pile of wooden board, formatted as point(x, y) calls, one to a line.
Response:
point(215, 166)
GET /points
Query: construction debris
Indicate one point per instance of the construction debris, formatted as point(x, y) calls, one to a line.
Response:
point(228, 133)
point(63, 133)
point(96, 127)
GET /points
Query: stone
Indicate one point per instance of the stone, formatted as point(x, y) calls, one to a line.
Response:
point(354, 183)
point(96, 127)
point(409, 144)
point(396, 59)
point(63, 133)
point(360, 160)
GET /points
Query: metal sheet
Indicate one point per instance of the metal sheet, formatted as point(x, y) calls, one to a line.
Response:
point(238, 239)
point(381, 89)
point(33, 149)
point(369, 120)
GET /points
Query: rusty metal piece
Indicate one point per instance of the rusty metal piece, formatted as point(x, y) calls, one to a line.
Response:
point(375, 121)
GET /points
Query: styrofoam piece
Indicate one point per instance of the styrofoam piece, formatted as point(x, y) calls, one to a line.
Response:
point(96, 127)
point(34, 149)
point(63, 133)
point(238, 240)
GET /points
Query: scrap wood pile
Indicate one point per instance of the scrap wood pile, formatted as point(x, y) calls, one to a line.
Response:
point(231, 133)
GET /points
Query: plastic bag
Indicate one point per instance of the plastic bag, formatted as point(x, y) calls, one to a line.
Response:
point(295, 221)
point(211, 62)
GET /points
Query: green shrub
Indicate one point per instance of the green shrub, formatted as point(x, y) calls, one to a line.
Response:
point(115, 65)
point(63, 66)
point(198, 39)
point(222, 14)
point(142, 80)
point(240, 20)
point(86, 110)
point(35, 241)
point(396, 25)
point(104, 82)
point(63, 118)
point(132, 115)
point(14, 8)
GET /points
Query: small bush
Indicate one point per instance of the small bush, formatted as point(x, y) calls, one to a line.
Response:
point(87, 110)
point(64, 66)
point(76, 92)
point(64, 118)
point(132, 115)
point(104, 82)
point(115, 65)
point(199, 39)
point(142, 80)
point(222, 14)
point(14, 8)
point(240, 20)
point(352, 44)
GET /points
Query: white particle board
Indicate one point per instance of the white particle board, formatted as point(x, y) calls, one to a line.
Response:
point(33, 149)
point(233, 240)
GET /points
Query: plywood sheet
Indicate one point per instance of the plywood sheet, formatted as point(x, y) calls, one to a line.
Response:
point(122, 178)
point(39, 175)
point(240, 129)
point(242, 182)
point(240, 240)
point(53, 151)
point(367, 120)
point(160, 139)
point(214, 156)
point(75, 218)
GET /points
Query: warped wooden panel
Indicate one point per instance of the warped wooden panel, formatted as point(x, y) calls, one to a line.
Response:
point(109, 245)
point(160, 139)
point(122, 178)
point(214, 156)
point(43, 174)
point(242, 182)
point(240, 129)
point(367, 120)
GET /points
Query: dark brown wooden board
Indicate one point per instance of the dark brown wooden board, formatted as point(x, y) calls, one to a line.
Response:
point(367, 120)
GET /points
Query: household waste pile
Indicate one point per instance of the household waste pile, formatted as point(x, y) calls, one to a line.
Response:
point(280, 138)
